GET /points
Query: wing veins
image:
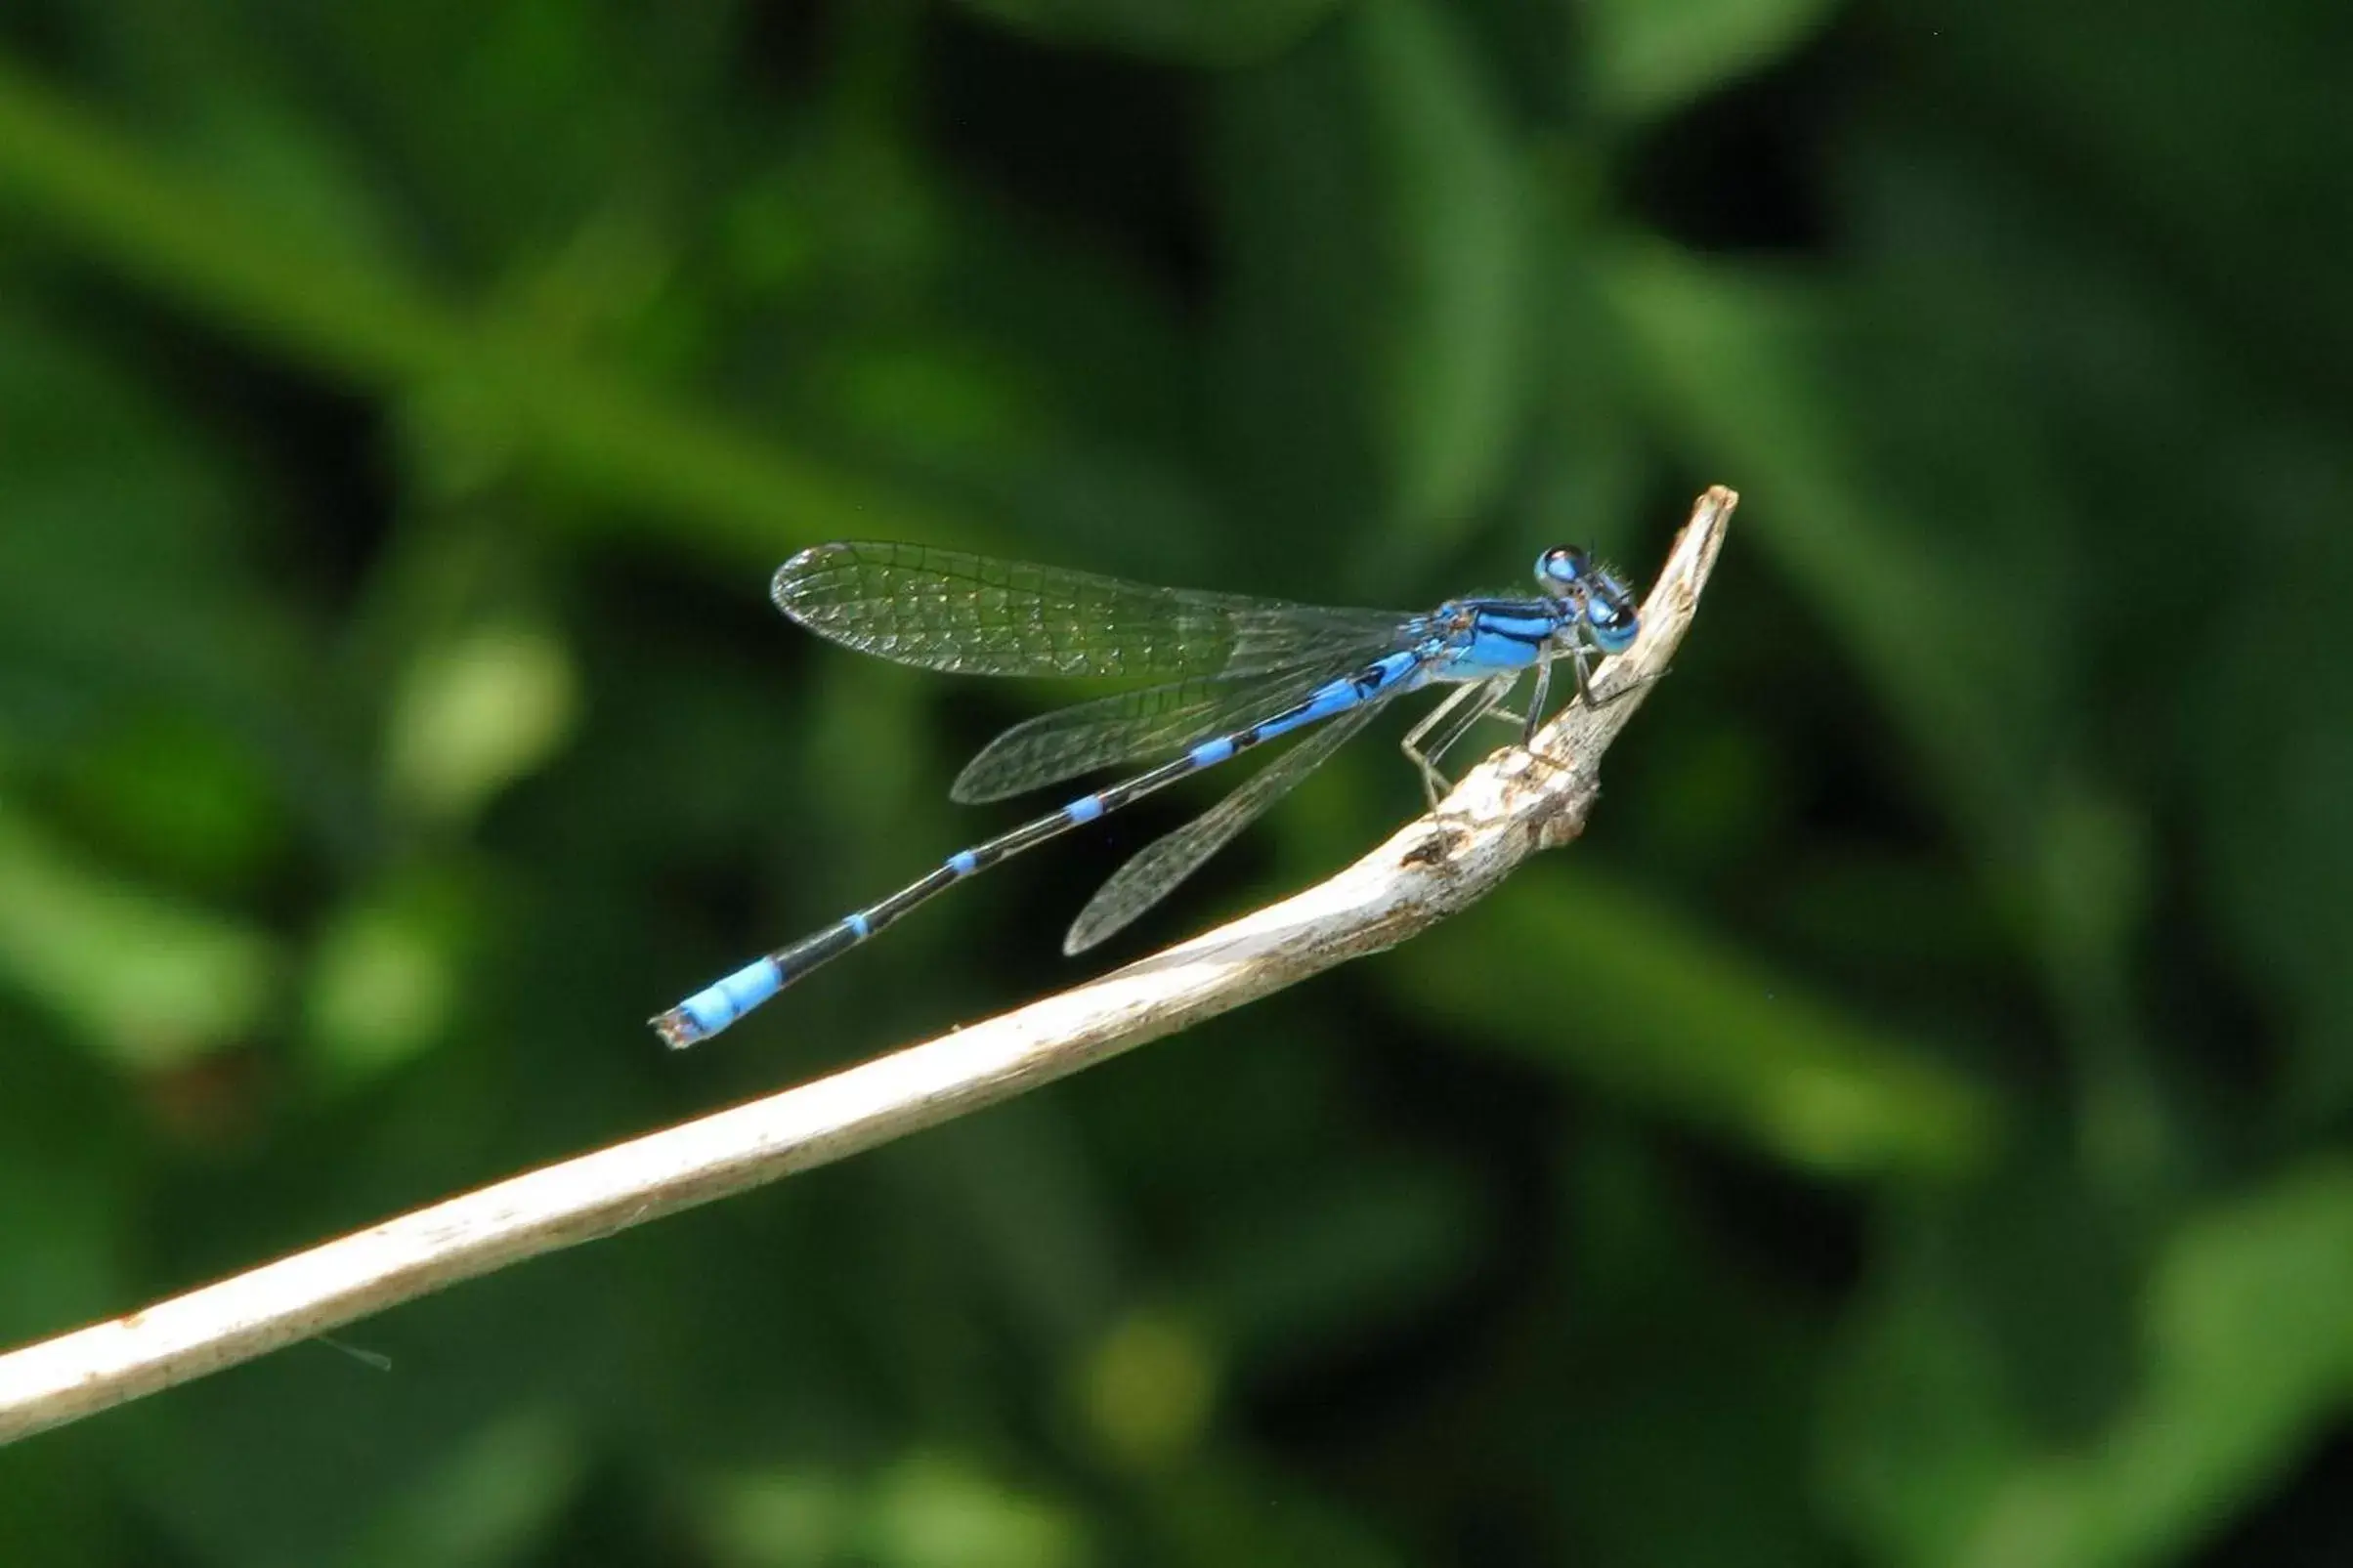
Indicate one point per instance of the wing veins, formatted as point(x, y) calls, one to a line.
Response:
point(955, 611)
point(1157, 869)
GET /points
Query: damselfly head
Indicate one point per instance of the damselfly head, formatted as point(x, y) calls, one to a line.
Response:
point(1605, 608)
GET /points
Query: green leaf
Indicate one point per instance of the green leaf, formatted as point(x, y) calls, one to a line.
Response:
point(1668, 1017)
point(212, 252)
point(476, 713)
point(1376, 212)
point(2247, 1344)
point(384, 979)
point(1146, 1389)
point(1453, 367)
point(1769, 376)
point(1651, 57)
point(937, 1510)
point(149, 981)
point(489, 1495)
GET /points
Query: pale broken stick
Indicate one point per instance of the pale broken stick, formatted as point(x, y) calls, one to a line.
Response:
point(1505, 810)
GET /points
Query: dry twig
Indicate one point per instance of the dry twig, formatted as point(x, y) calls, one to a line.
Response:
point(1504, 811)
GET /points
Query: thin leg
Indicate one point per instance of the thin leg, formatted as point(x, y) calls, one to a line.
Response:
point(1584, 686)
point(1585, 693)
point(1485, 707)
point(1536, 713)
point(1453, 719)
point(1411, 746)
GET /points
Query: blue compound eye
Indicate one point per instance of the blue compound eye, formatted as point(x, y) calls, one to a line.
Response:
point(1561, 567)
point(1610, 617)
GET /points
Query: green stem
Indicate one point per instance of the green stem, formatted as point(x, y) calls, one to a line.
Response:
point(95, 190)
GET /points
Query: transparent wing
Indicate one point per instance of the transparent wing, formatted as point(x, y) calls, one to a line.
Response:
point(1133, 726)
point(1156, 871)
point(946, 610)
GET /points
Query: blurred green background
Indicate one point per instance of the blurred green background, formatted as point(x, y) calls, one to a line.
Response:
point(1907, 1130)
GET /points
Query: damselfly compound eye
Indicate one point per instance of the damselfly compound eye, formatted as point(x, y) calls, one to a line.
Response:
point(1562, 569)
point(1611, 614)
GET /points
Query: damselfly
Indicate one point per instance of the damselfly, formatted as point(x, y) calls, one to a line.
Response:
point(1227, 672)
